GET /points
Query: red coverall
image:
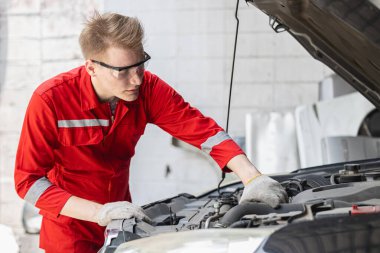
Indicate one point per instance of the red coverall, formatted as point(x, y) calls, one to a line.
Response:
point(70, 144)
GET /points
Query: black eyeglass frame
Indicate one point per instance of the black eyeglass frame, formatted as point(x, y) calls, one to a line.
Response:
point(146, 55)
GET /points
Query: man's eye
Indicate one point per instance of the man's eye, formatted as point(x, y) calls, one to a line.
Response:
point(123, 71)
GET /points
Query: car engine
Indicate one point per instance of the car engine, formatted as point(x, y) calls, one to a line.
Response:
point(314, 194)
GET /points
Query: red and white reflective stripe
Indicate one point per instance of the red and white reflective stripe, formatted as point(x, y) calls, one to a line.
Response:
point(83, 123)
point(37, 189)
point(214, 140)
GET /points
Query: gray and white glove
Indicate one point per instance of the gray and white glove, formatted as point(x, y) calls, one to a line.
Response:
point(264, 189)
point(120, 210)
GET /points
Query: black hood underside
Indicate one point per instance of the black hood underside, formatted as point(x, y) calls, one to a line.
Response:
point(343, 34)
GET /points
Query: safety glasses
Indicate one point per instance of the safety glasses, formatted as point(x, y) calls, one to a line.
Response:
point(127, 71)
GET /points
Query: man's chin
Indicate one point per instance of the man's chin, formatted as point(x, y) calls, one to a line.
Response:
point(130, 98)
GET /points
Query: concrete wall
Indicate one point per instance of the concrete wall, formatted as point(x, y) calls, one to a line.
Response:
point(191, 44)
point(38, 39)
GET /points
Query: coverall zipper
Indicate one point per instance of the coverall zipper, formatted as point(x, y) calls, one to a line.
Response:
point(112, 120)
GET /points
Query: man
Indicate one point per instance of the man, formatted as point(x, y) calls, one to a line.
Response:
point(80, 132)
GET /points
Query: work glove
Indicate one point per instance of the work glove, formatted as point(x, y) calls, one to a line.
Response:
point(120, 210)
point(264, 189)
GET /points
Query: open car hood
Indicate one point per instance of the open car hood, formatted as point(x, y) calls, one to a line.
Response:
point(343, 34)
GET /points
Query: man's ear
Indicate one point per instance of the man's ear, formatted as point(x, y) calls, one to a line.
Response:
point(90, 68)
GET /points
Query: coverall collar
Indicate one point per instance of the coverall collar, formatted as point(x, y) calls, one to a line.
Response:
point(88, 98)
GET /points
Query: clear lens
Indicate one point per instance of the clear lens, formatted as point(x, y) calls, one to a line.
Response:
point(128, 73)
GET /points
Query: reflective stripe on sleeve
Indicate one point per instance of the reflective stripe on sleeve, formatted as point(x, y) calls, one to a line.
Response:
point(214, 140)
point(83, 123)
point(37, 189)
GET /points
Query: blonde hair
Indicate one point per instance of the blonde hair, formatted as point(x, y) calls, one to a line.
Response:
point(110, 30)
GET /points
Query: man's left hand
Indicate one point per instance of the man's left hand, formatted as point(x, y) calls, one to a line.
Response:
point(264, 189)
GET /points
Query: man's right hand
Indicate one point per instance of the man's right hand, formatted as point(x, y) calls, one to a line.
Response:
point(119, 210)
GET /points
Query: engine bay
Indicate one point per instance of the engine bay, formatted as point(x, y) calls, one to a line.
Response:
point(314, 194)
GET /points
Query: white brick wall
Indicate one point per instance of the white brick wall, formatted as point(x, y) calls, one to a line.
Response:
point(38, 39)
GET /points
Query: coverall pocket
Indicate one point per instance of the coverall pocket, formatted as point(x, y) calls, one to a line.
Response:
point(80, 136)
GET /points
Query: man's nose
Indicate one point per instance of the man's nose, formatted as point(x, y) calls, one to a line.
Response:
point(136, 78)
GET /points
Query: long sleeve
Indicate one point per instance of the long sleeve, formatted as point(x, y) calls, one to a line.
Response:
point(35, 157)
point(169, 111)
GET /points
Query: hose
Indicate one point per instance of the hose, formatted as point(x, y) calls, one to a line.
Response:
point(237, 212)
